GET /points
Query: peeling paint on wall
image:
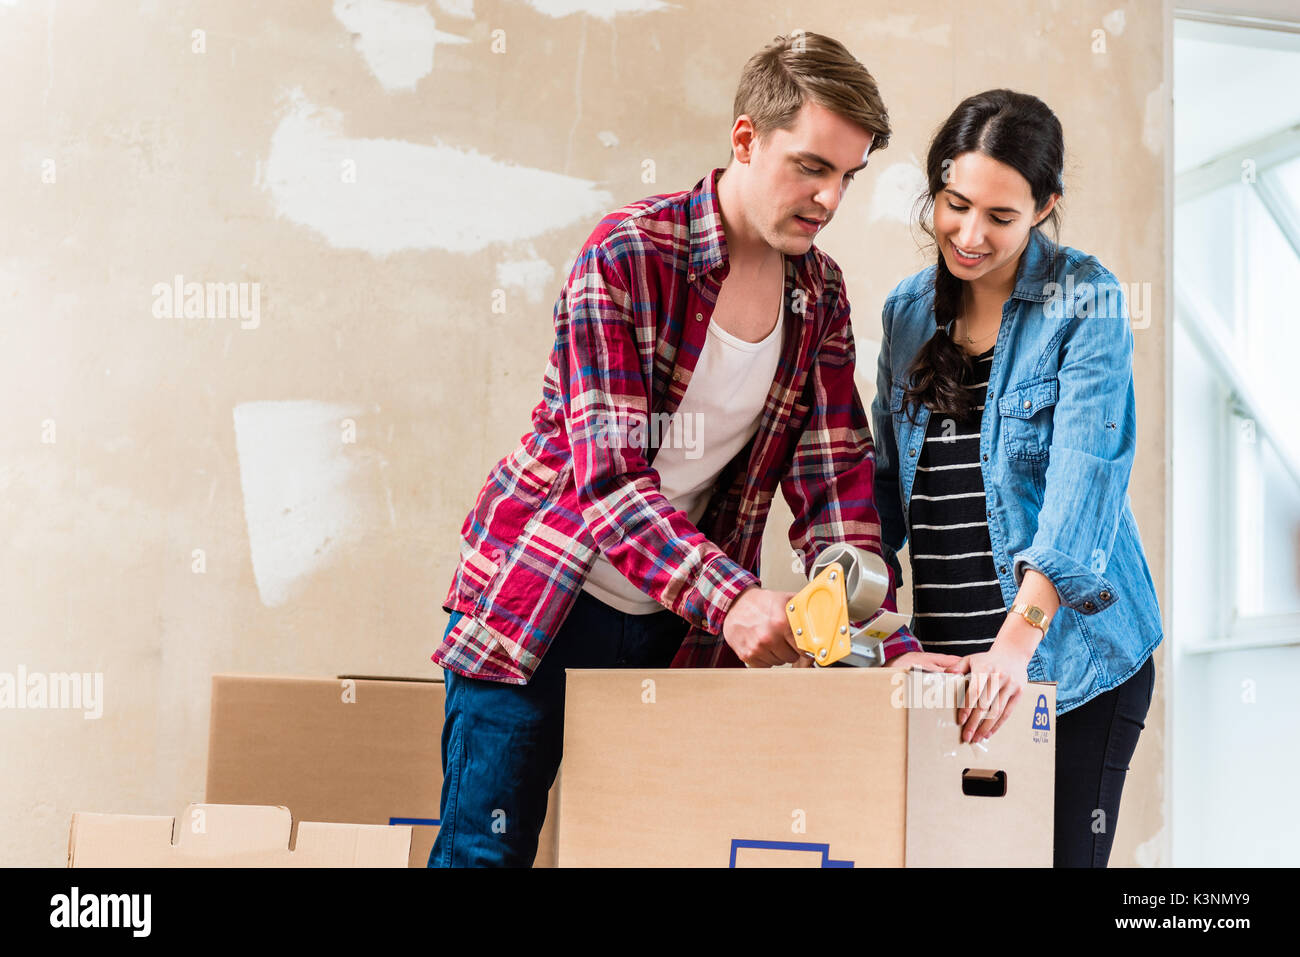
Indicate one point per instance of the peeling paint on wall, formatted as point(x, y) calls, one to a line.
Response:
point(457, 8)
point(1151, 853)
point(897, 188)
point(406, 195)
point(903, 27)
point(532, 275)
point(302, 486)
point(601, 9)
point(395, 39)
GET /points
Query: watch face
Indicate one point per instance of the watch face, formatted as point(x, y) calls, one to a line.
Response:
point(1035, 615)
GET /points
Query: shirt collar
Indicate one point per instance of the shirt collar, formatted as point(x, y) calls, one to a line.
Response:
point(709, 241)
point(1035, 271)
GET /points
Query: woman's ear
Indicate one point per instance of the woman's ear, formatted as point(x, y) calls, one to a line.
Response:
point(1047, 210)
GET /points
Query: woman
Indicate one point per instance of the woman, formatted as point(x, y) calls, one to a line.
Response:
point(1005, 429)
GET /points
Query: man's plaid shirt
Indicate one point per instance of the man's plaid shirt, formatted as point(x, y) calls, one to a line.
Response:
point(629, 327)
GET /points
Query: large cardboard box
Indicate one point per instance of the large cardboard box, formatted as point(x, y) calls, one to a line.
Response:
point(836, 767)
point(354, 749)
point(226, 835)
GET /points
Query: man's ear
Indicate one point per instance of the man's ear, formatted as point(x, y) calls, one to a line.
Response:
point(742, 138)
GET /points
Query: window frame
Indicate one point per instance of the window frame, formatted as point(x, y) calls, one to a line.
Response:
point(1194, 312)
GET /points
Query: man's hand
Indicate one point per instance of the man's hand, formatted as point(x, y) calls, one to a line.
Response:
point(925, 660)
point(758, 630)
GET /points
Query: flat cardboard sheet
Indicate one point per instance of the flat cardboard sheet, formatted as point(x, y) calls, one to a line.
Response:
point(228, 835)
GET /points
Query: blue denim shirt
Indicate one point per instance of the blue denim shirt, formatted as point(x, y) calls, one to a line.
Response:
point(1057, 439)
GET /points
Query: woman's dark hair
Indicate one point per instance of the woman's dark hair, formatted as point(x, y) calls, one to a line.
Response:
point(1021, 131)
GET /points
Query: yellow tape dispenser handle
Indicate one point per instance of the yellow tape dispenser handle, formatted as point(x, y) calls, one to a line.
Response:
point(819, 616)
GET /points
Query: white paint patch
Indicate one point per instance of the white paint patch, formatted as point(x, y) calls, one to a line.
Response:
point(396, 39)
point(901, 25)
point(570, 259)
point(532, 275)
point(897, 189)
point(607, 138)
point(1153, 126)
point(1114, 22)
point(301, 489)
point(409, 195)
point(601, 9)
point(1150, 853)
point(458, 8)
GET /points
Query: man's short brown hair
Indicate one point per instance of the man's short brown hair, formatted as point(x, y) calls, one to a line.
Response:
point(792, 69)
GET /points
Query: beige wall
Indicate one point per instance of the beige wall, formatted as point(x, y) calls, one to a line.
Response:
point(183, 496)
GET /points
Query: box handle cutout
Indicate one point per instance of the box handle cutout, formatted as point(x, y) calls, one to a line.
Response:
point(980, 783)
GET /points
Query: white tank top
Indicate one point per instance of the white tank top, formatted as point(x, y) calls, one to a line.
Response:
point(717, 416)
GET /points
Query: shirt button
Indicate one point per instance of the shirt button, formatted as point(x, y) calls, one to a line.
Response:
point(691, 277)
point(990, 513)
point(1002, 569)
point(677, 375)
point(1105, 596)
point(699, 317)
point(1028, 404)
point(985, 457)
point(1088, 606)
point(911, 452)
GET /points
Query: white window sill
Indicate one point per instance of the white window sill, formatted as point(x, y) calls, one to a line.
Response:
point(1263, 631)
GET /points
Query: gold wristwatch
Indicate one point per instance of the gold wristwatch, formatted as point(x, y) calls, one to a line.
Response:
point(1034, 615)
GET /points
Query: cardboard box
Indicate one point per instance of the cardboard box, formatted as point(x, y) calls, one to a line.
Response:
point(836, 767)
point(353, 749)
point(229, 835)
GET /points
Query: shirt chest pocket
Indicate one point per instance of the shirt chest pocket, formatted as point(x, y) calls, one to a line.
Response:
point(1026, 415)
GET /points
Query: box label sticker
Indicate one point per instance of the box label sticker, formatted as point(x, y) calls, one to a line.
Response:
point(1042, 721)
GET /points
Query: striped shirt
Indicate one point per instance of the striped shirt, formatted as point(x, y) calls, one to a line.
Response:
point(957, 601)
point(630, 324)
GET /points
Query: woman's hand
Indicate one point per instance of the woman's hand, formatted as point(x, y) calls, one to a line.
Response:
point(997, 679)
point(911, 659)
point(925, 660)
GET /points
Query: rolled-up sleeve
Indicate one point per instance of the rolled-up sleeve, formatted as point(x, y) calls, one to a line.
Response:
point(605, 396)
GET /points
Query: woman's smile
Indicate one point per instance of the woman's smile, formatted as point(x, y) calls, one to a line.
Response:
point(966, 257)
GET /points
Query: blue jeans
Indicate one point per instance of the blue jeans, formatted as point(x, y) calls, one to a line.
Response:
point(501, 743)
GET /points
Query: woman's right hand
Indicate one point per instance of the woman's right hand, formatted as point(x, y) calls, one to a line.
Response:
point(925, 660)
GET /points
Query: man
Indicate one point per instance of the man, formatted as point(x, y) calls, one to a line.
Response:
point(714, 308)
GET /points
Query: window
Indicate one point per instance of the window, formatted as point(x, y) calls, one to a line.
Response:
point(1236, 348)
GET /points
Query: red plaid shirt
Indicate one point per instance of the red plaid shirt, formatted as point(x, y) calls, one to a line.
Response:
point(629, 327)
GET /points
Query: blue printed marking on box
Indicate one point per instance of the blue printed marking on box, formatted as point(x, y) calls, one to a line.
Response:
point(823, 849)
